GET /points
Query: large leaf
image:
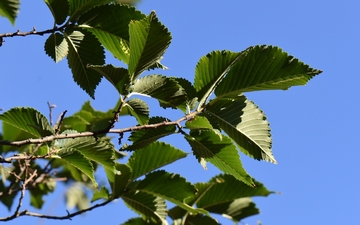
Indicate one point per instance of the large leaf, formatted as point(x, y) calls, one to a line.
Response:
point(84, 49)
point(9, 9)
point(59, 9)
point(150, 206)
point(219, 150)
point(110, 25)
point(165, 89)
point(169, 186)
point(28, 120)
point(153, 156)
point(245, 123)
point(56, 47)
point(264, 68)
point(117, 76)
point(210, 70)
point(138, 109)
point(142, 138)
point(78, 7)
point(148, 41)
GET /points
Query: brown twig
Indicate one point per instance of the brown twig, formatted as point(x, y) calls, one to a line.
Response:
point(34, 32)
point(59, 122)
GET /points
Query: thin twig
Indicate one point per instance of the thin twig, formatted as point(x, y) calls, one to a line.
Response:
point(34, 32)
point(59, 122)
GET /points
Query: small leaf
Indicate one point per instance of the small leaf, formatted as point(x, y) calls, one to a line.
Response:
point(84, 49)
point(28, 120)
point(198, 122)
point(139, 221)
point(56, 47)
point(76, 197)
point(245, 123)
point(190, 91)
point(119, 180)
point(117, 76)
point(111, 29)
point(59, 10)
point(152, 157)
point(264, 68)
point(166, 90)
point(103, 193)
point(151, 207)
point(9, 9)
point(144, 137)
point(138, 109)
point(148, 41)
point(220, 151)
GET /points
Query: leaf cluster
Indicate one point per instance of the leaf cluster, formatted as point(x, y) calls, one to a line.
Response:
point(218, 121)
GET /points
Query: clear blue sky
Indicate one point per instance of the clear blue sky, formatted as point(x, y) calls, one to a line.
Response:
point(315, 127)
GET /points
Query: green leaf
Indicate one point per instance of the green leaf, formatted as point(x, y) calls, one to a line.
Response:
point(117, 76)
point(153, 156)
point(120, 180)
point(79, 161)
point(166, 90)
point(56, 47)
point(220, 151)
point(144, 137)
point(198, 122)
point(200, 220)
point(169, 186)
point(111, 29)
point(264, 68)
point(148, 41)
point(59, 9)
point(151, 207)
point(78, 7)
point(210, 70)
point(245, 123)
point(190, 91)
point(84, 49)
point(27, 120)
point(9, 9)
point(138, 109)
point(103, 193)
point(228, 196)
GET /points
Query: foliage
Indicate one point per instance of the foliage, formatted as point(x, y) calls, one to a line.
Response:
point(218, 120)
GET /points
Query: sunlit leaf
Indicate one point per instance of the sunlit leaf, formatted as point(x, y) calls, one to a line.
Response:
point(220, 151)
point(76, 197)
point(138, 109)
point(84, 49)
point(78, 7)
point(56, 47)
point(153, 156)
point(148, 41)
point(264, 68)
point(110, 25)
point(103, 193)
point(28, 120)
point(198, 122)
point(245, 123)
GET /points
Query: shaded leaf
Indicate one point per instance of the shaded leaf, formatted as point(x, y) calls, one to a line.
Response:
point(191, 94)
point(139, 221)
point(200, 220)
point(78, 7)
point(117, 76)
point(138, 109)
point(111, 29)
point(148, 41)
point(151, 207)
point(56, 47)
point(9, 9)
point(27, 120)
point(153, 156)
point(84, 49)
point(103, 193)
point(166, 90)
point(245, 123)
point(264, 68)
point(218, 150)
point(169, 186)
point(142, 138)
point(119, 180)
point(59, 9)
